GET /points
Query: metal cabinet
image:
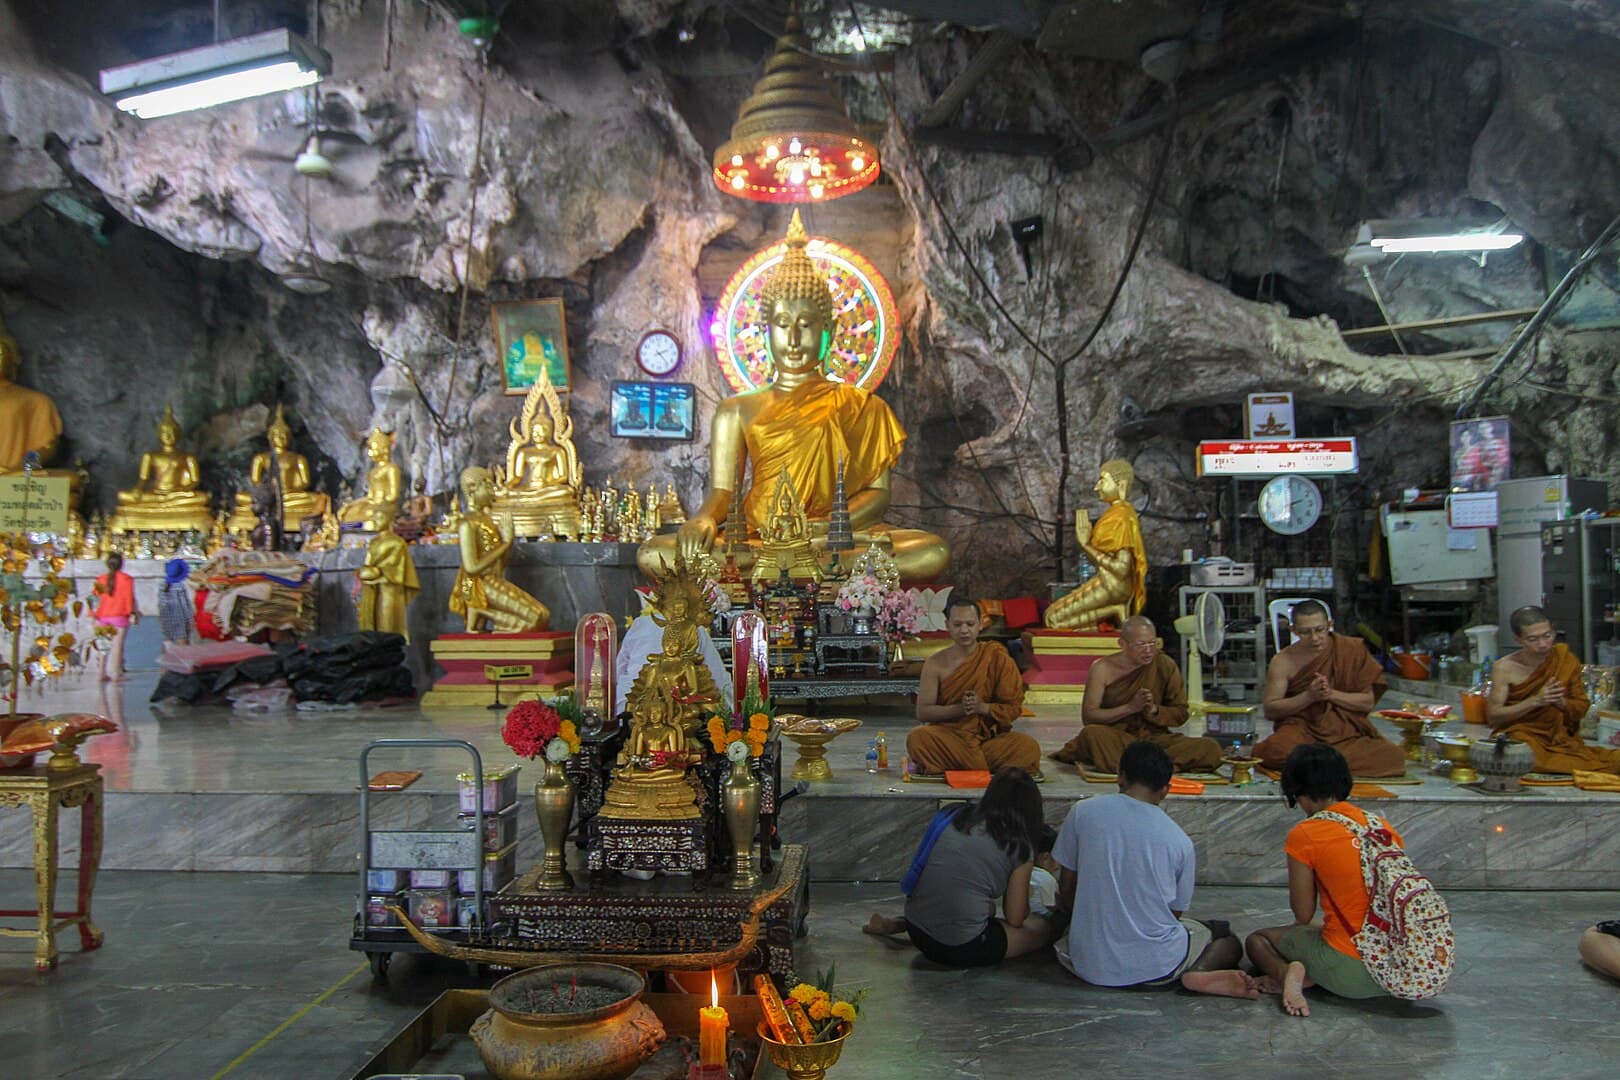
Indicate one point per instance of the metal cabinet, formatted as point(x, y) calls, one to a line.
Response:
point(1580, 571)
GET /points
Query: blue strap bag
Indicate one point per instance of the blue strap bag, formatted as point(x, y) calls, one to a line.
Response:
point(941, 819)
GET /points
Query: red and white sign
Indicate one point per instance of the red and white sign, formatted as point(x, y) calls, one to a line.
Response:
point(1255, 457)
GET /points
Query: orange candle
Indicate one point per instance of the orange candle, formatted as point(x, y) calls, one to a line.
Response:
point(712, 1027)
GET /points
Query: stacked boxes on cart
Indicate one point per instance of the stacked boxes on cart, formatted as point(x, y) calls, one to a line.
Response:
point(445, 899)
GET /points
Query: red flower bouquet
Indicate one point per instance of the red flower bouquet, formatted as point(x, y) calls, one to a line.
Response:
point(532, 726)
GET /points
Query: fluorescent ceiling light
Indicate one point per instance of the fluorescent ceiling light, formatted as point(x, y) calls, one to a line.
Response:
point(267, 63)
point(1422, 235)
point(1450, 242)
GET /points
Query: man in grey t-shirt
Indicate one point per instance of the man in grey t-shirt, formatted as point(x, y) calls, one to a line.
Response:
point(1128, 879)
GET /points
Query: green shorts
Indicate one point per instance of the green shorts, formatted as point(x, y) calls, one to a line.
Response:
point(1328, 968)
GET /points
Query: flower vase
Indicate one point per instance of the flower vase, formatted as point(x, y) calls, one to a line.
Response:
point(740, 796)
point(554, 803)
point(861, 620)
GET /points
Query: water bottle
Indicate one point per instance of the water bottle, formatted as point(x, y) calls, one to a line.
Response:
point(872, 756)
point(882, 742)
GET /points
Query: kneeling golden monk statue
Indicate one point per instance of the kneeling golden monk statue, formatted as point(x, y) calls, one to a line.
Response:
point(1114, 546)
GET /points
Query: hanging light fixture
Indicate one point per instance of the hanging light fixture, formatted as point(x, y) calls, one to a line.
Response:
point(267, 63)
point(793, 142)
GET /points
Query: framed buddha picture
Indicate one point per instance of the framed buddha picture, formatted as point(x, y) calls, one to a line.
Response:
point(647, 410)
point(529, 333)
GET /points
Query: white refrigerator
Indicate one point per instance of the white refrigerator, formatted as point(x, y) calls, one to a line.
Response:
point(1522, 505)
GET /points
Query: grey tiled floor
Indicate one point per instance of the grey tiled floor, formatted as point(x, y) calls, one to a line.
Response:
point(199, 969)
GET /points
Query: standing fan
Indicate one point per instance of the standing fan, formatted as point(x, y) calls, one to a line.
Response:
point(1206, 626)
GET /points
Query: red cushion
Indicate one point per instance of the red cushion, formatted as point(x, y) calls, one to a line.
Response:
point(1021, 611)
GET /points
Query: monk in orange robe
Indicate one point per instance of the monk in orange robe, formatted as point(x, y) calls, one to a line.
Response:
point(1320, 690)
point(1537, 697)
point(1136, 694)
point(967, 700)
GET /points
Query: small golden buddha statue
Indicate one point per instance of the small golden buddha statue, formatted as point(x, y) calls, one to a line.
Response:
point(785, 544)
point(297, 501)
point(388, 584)
point(676, 608)
point(540, 485)
point(482, 595)
point(650, 782)
point(670, 510)
point(165, 498)
point(28, 418)
point(374, 511)
point(1114, 546)
point(801, 424)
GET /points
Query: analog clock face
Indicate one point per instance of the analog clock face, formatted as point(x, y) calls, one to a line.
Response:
point(659, 352)
point(1290, 504)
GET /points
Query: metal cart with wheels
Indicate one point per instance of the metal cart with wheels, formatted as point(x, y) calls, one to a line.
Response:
point(415, 849)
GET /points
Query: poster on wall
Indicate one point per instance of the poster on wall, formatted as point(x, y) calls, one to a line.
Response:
point(1480, 457)
point(529, 334)
point(645, 410)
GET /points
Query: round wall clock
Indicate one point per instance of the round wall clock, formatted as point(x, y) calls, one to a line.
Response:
point(1290, 504)
point(659, 352)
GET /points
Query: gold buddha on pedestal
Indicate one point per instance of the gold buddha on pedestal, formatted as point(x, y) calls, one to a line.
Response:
point(801, 424)
point(375, 510)
point(165, 498)
point(540, 485)
point(1114, 546)
point(297, 501)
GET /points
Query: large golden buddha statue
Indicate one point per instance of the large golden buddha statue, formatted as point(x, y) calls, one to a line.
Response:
point(1114, 546)
point(165, 498)
point(481, 594)
point(801, 424)
point(297, 501)
point(28, 418)
point(374, 511)
point(540, 485)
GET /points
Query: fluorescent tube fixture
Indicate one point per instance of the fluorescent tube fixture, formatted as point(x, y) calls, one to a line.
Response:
point(245, 67)
point(1450, 242)
point(1396, 237)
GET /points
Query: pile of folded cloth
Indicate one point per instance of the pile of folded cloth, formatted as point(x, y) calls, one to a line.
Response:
point(244, 592)
point(341, 669)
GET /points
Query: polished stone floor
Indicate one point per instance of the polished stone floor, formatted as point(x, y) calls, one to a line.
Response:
point(248, 975)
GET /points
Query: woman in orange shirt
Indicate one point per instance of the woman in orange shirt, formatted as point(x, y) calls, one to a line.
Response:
point(1323, 864)
point(116, 609)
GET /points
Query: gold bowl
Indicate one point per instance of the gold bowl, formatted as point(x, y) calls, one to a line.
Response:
point(1412, 731)
point(1455, 750)
point(811, 763)
point(804, 1061)
point(1242, 768)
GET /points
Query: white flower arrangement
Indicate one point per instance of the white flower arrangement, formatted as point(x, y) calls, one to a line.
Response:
point(858, 593)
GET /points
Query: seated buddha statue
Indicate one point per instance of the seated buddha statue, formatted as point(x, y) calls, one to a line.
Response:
point(679, 665)
point(1114, 546)
point(802, 423)
point(374, 511)
point(297, 501)
point(165, 497)
point(481, 594)
point(540, 485)
point(650, 781)
point(28, 419)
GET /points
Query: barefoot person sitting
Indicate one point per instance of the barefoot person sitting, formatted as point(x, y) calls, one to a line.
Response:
point(985, 853)
point(1537, 697)
point(1127, 876)
point(1600, 948)
point(968, 697)
point(1324, 863)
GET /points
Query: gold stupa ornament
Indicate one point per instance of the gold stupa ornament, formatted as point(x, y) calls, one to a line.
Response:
point(793, 142)
point(540, 484)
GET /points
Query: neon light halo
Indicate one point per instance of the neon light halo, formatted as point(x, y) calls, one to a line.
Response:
point(868, 333)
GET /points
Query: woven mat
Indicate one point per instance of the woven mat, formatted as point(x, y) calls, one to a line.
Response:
point(1093, 776)
point(1371, 791)
point(1548, 779)
point(1407, 780)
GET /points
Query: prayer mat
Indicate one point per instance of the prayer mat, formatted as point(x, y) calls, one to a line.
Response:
point(1547, 779)
point(968, 778)
point(1408, 780)
point(924, 778)
point(1181, 786)
point(1205, 778)
point(1596, 781)
point(1092, 776)
point(1371, 791)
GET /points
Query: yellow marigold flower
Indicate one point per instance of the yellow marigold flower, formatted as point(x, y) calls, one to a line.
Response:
point(568, 731)
point(844, 1011)
point(819, 1009)
point(759, 721)
point(804, 993)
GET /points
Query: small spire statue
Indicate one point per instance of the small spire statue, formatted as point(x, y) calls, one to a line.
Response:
point(839, 535)
point(736, 528)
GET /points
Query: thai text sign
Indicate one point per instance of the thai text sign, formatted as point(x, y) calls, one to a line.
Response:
point(498, 672)
point(45, 499)
point(1255, 457)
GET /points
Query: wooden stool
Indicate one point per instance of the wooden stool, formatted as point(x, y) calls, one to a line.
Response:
point(43, 790)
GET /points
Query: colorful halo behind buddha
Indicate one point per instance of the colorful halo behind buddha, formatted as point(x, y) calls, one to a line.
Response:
point(868, 333)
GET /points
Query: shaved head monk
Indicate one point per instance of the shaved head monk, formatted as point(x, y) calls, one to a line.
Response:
point(967, 700)
point(1319, 690)
point(1135, 695)
point(1537, 697)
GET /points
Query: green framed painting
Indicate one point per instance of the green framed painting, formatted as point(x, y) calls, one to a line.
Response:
point(529, 334)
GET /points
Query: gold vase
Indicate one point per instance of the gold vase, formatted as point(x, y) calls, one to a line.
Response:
point(554, 803)
point(740, 796)
point(806, 1061)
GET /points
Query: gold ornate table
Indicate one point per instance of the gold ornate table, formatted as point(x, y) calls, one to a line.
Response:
point(44, 790)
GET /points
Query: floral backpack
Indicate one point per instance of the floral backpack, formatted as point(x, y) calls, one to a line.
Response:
point(1406, 941)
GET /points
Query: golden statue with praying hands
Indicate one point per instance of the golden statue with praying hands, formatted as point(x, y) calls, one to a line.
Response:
point(1114, 546)
point(539, 487)
point(481, 594)
point(375, 510)
point(800, 424)
point(165, 498)
point(297, 500)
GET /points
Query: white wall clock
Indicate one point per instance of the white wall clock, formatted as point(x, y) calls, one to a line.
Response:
point(1290, 504)
point(659, 352)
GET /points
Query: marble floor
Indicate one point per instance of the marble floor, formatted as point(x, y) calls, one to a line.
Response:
point(248, 976)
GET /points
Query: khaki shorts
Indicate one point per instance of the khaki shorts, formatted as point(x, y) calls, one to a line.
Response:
point(1199, 937)
point(1328, 968)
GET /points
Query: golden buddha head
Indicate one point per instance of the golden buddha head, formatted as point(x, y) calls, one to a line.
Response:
point(278, 432)
point(379, 444)
point(798, 307)
point(477, 489)
point(1114, 480)
point(168, 429)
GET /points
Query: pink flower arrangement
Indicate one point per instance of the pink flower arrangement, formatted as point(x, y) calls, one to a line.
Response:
point(865, 591)
point(898, 616)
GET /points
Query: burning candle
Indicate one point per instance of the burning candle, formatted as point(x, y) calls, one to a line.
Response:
point(712, 1026)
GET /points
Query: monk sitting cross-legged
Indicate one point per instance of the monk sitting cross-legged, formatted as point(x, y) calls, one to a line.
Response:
point(968, 697)
point(1319, 690)
point(1537, 697)
point(1136, 694)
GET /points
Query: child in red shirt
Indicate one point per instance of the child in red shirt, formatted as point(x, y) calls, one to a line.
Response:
point(116, 609)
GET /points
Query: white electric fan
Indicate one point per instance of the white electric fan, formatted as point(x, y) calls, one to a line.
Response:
point(1206, 626)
